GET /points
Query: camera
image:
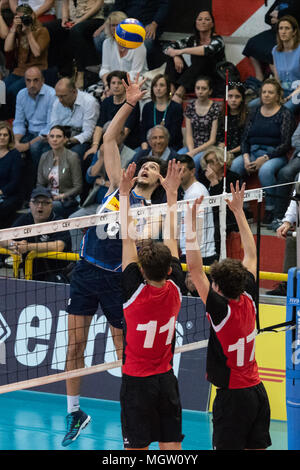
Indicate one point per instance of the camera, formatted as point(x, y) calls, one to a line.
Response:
point(26, 20)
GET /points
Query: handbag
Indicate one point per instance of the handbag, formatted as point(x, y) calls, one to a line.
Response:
point(233, 74)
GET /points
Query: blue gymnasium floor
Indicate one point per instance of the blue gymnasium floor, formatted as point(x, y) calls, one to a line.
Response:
point(36, 421)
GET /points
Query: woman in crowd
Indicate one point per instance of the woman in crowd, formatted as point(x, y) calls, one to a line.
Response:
point(44, 9)
point(162, 110)
point(206, 49)
point(259, 47)
point(266, 141)
point(201, 118)
point(237, 112)
point(29, 41)
point(286, 56)
point(116, 57)
point(10, 176)
point(212, 176)
point(72, 37)
point(60, 171)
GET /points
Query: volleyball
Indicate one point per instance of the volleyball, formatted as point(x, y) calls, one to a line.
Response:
point(130, 33)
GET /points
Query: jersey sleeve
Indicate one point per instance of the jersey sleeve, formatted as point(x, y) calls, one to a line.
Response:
point(131, 280)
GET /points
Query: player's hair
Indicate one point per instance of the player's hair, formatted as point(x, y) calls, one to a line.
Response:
point(163, 166)
point(155, 259)
point(230, 275)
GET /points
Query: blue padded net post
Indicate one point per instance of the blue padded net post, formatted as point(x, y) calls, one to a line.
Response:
point(293, 359)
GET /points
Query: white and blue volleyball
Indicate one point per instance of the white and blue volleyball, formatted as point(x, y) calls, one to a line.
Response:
point(130, 33)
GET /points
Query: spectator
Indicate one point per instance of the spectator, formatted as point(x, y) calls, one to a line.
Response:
point(29, 42)
point(284, 231)
point(201, 120)
point(116, 57)
point(60, 171)
point(153, 15)
point(287, 174)
point(192, 190)
point(259, 47)
point(158, 138)
point(206, 49)
point(32, 121)
point(11, 197)
point(72, 37)
point(212, 176)
point(44, 9)
point(162, 110)
point(287, 60)
point(78, 111)
point(237, 112)
point(266, 142)
point(41, 210)
point(109, 107)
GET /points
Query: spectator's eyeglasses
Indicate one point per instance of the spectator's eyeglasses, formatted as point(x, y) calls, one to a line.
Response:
point(43, 203)
point(233, 84)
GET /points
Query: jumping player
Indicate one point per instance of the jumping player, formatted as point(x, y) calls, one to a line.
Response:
point(150, 402)
point(241, 412)
point(97, 276)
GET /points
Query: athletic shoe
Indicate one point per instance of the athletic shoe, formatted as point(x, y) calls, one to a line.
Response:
point(275, 224)
point(76, 421)
point(279, 290)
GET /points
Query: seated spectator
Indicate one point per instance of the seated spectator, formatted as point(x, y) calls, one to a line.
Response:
point(206, 49)
point(286, 56)
point(44, 9)
point(41, 210)
point(153, 14)
point(193, 189)
point(78, 111)
point(29, 42)
point(284, 231)
point(266, 142)
point(287, 174)
point(60, 171)
point(116, 57)
point(109, 107)
point(32, 121)
point(259, 47)
point(201, 121)
point(212, 176)
point(237, 112)
point(11, 166)
point(162, 110)
point(158, 138)
point(72, 37)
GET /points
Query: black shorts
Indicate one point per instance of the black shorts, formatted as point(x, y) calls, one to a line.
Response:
point(92, 286)
point(241, 419)
point(150, 410)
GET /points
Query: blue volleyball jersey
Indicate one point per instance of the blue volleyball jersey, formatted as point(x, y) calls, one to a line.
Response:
point(101, 245)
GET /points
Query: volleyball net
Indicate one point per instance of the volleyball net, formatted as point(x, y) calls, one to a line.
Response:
point(35, 290)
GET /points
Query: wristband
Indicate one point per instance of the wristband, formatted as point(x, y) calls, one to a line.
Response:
point(130, 104)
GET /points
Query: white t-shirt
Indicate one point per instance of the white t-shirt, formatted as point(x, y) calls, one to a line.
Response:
point(207, 240)
point(133, 62)
point(35, 4)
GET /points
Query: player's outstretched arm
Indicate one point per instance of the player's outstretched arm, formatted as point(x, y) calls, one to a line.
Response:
point(112, 161)
point(129, 252)
point(171, 184)
point(247, 239)
point(193, 253)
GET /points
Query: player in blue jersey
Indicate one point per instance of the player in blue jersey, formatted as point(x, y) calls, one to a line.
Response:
point(97, 276)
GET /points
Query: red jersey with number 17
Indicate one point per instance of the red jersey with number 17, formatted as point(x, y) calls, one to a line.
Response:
point(150, 315)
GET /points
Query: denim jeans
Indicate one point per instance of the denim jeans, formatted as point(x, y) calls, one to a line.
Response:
point(266, 173)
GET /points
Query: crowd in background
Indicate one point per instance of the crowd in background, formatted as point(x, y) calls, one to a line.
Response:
point(64, 82)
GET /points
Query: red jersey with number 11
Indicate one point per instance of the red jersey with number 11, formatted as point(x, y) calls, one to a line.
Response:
point(150, 315)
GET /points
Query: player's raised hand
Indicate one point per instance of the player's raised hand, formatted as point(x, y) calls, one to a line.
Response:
point(127, 180)
point(134, 92)
point(236, 203)
point(173, 177)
